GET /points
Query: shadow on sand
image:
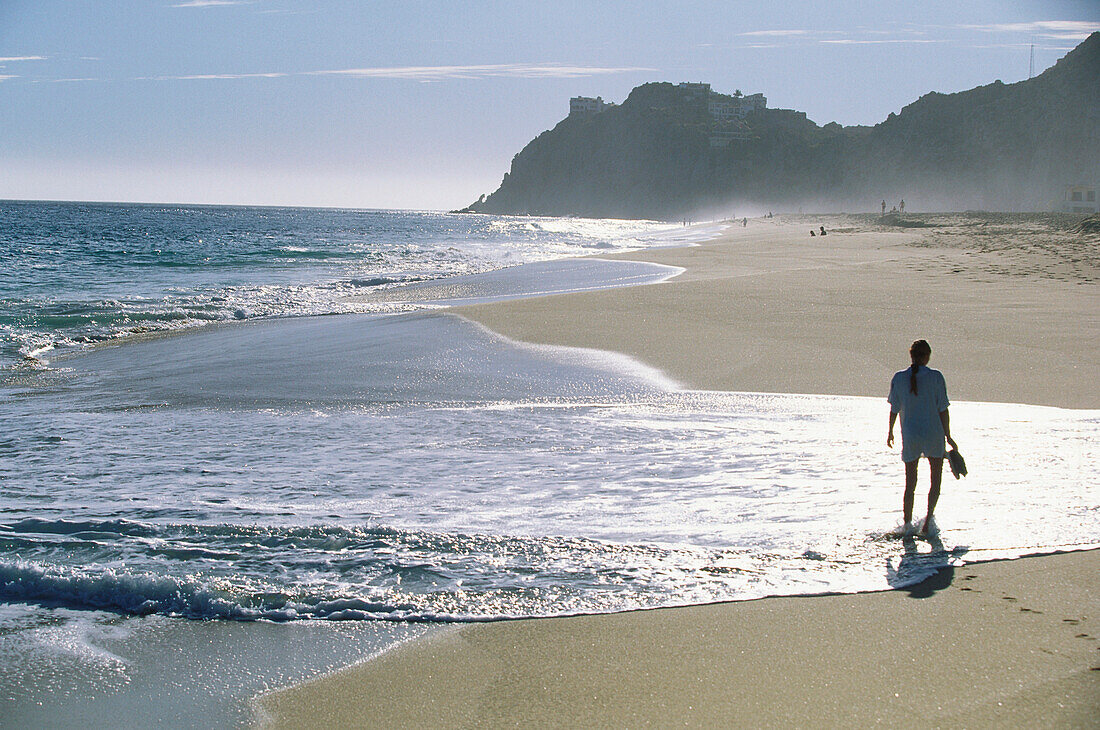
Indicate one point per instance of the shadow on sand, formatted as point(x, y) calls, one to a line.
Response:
point(913, 562)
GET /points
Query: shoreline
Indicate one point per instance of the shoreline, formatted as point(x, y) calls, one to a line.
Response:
point(769, 307)
point(744, 664)
point(745, 316)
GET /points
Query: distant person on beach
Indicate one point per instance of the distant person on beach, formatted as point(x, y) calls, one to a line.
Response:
point(918, 395)
point(884, 207)
point(812, 234)
point(901, 206)
point(744, 222)
point(823, 231)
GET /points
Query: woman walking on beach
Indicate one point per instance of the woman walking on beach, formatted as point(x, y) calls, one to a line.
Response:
point(919, 395)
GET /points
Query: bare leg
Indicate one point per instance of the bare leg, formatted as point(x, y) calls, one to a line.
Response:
point(936, 467)
point(910, 488)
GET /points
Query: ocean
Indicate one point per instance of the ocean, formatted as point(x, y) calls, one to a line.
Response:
point(77, 274)
point(253, 444)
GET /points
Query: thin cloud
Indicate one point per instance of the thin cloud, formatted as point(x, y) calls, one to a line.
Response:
point(879, 41)
point(860, 36)
point(414, 73)
point(495, 70)
point(4, 77)
point(777, 32)
point(1065, 36)
point(208, 3)
point(1022, 44)
point(1050, 30)
point(9, 59)
point(1063, 30)
point(205, 77)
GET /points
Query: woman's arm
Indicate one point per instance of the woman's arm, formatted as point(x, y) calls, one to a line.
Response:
point(945, 419)
point(890, 432)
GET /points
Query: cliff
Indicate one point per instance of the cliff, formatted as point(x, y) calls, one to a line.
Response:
point(661, 155)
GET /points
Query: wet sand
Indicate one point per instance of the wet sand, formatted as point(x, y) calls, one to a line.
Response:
point(1002, 644)
point(766, 308)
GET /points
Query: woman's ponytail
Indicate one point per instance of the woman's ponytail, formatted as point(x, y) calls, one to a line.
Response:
point(917, 351)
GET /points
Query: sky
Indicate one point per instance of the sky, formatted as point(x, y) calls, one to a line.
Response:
point(421, 105)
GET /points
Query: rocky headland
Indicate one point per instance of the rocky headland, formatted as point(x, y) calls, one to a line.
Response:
point(664, 154)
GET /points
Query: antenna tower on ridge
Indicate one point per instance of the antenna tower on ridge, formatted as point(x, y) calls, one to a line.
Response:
point(1031, 63)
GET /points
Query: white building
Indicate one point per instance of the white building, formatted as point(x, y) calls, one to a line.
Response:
point(586, 105)
point(754, 102)
point(727, 109)
point(733, 132)
point(1079, 199)
point(696, 90)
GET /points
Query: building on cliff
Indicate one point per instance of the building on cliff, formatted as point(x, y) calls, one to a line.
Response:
point(1012, 146)
point(694, 90)
point(729, 108)
point(1079, 199)
point(583, 106)
point(733, 132)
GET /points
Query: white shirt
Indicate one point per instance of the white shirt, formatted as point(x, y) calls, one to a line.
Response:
point(921, 428)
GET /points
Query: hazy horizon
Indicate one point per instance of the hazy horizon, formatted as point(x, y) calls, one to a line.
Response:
point(421, 107)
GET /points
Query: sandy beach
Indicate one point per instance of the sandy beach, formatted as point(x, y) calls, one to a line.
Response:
point(1011, 315)
point(1005, 644)
point(1009, 305)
